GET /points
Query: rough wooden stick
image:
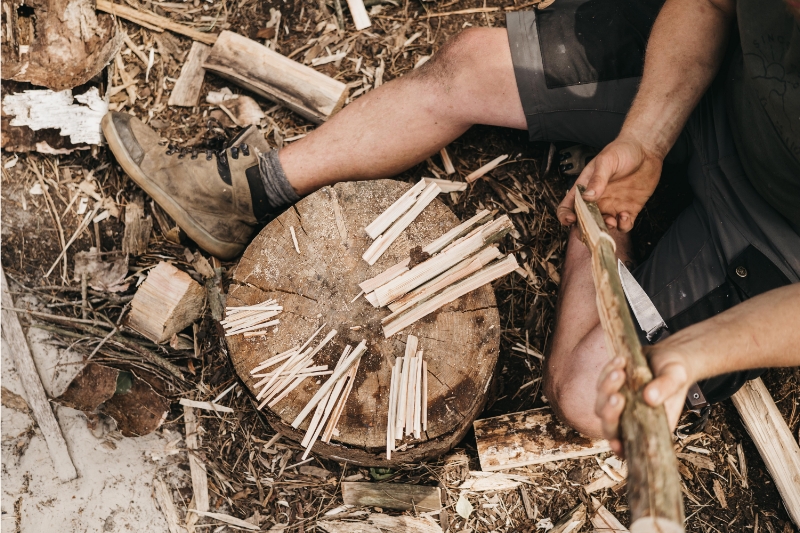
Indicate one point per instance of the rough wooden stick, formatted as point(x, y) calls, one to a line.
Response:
point(352, 358)
point(330, 403)
point(149, 20)
point(654, 489)
point(253, 328)
point(447, 185)
point(391, 413)
point(269, 382)
point(447, 162)
point(255, 67)
point(382, 243)
point(196, 466)
point(774, 441)
point(485, 169)
point(186, 92)
point(410, 395)
point(395, 211)
point(399, 422)
point(417, 426)
point(275, 360)
point(399, 321)
point(337, 412)
point(34, 390)
point(359, 13)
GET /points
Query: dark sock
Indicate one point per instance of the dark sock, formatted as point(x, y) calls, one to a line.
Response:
point(279, 192)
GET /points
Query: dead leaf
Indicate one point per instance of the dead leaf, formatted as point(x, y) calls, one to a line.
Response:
point(90, 388)
point(106, 276)
point(719, 492)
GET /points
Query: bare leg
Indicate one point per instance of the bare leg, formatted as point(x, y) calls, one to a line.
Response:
point(469, 81)
point(578, 352)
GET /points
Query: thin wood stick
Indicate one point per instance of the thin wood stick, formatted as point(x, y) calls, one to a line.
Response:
point(424, 395)
point(352, 358)
point(390, 414)
point(284, 381)
point(460, 271)
point(359, 13)
point(410, 395)
point(151, 20)
point(291, 361)
point(418, 396)
point(294, 239)
point(387, 275)
point(311, 338)
point(399, 423)
point(82, 226)
point(330, 403)
point(272, 361)
point(252, 328)
point(447, 185)
point(433, 267)
point(337, 413)
point(382, 243)
point(395, 211)
point(398, 321)
point(259, 316)
point(485, 169)
point(398, 370)
point(316, 368)
point(447, 162)
point(298, 380)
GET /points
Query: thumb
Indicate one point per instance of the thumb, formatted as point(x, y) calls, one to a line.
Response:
point(602, 169)
point(670, 380)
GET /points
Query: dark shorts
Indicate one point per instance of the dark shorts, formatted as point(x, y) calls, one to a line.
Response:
point(729, 245)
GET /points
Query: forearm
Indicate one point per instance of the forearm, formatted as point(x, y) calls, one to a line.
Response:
point(761, 332)
point(684, 53)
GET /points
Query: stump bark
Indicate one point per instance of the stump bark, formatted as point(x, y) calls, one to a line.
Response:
point(460, 341)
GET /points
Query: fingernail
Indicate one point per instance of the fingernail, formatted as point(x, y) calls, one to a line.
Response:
point(614, 376)
point(652, 394)
point(613, 400)
point(589, 193)
point(624, 217)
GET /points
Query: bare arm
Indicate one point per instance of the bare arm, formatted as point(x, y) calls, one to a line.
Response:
point(761, 332)
point(684, 53)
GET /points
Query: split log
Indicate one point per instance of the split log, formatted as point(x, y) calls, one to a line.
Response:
point(137, 228)
point(34, 390)
point(459, 342)
point(774, 441)
point(654, 487)
point(380, 523)
point(255, 67)
point(529, 438)
point(399, 496)
point(168, 301)
point(58, 44)
point(186, 92)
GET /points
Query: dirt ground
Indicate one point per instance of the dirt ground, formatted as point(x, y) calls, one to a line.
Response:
point(726, 484)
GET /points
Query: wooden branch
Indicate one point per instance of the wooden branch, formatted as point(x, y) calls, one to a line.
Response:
point(485, 169)
point(359, 13)
point(424, 395)
point(447, 162)
point(399, 321)
point(399, 496)
point(168, 301)
point(774, 441)
point(186, 92)
point(382, 243)
point(529, 438)
point(654, 489)
point(154, 22)
point(302, 89)
point(34, 390)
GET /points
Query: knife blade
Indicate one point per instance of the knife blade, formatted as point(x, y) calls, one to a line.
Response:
point(653, 325)
point(646, 314)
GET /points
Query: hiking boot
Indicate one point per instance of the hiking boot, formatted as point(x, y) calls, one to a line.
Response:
point(217, 198)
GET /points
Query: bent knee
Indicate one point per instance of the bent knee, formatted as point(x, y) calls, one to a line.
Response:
point(572, 398)
point(464, 53)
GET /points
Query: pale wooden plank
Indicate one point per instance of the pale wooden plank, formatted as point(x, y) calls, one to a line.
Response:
point(400, 496)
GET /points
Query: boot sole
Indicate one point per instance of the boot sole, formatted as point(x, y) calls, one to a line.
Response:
point(206, 241)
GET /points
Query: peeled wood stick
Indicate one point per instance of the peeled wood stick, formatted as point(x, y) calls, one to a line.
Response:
point(447, 162)
point(424, 395)
point(382, 243)
point(252, 328)
point(427, 270)
point(418, 396)
point(395, 211)
point(316, 420)
point(390, 413)
point(238, 318)
point(311, 338)
point(284, 381)
point(654, 485)
point(399, 422)
point(275, 359)
point(448, 185)
point(294, 359)
point(410, 395)
point(337, 412)
point(465, 268)
point(482, 277)
point(485, 169)
point(316, 368)
point(352, 358)
point(149, 20)
point(359, 13)
point(385, 276)
point(261, 316)
point(298, 380)
point(329, 402)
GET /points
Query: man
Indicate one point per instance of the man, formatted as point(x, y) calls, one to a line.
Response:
point(567, 73)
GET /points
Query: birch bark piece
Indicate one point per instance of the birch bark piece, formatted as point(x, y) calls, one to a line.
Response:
point(460, 348)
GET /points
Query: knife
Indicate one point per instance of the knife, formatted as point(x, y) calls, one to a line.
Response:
point(653, 325)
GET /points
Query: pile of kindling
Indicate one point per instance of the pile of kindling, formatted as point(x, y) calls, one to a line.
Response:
point(408, 397)
point(251, 320)
point(298, 364)
point(462, 260)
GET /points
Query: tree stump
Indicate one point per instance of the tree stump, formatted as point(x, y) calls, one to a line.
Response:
point(318, 285)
